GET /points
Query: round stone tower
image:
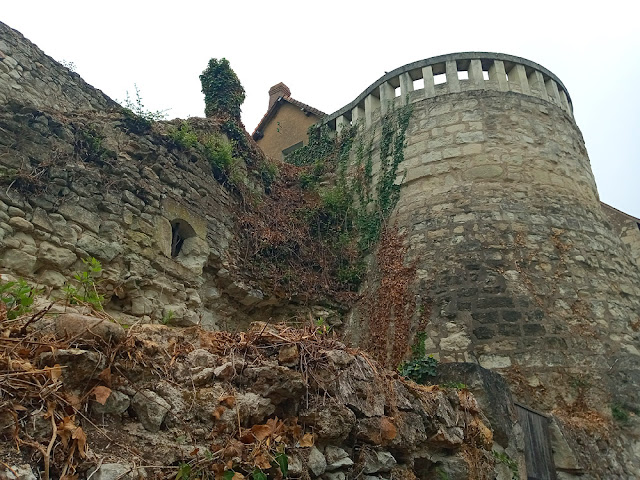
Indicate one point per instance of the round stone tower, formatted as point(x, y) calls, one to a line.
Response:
point(516, 266)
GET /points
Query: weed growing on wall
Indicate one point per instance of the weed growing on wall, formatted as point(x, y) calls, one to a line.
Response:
point(184, 137)
point(89, 146)
point(136, 106)
point(136, 118)
point(16, 299)
point(86, 290)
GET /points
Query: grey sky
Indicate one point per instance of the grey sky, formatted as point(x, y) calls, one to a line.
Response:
point(328, 52)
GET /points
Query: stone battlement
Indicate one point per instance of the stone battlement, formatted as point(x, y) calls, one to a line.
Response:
point(453, 73)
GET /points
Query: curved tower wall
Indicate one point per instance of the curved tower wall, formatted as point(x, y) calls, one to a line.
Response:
point(515, 259)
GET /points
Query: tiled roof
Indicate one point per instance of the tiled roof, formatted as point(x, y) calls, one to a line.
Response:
point(274, 108)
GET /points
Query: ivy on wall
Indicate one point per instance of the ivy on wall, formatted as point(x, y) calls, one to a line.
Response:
point(223, 92)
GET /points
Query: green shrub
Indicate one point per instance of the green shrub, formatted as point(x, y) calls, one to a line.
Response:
point(351, 275)
point(184, 137)
point(219, 152)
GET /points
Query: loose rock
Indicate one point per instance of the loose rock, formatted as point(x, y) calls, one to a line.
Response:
point(150, 408)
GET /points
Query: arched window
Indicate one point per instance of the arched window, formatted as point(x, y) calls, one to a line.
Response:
point(180, 231)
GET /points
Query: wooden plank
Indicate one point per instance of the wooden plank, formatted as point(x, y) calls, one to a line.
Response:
point(537, 447)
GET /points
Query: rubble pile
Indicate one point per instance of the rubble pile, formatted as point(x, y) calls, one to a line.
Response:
point(83, 397)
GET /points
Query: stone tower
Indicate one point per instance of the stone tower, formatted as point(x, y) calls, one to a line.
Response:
point(518, 267)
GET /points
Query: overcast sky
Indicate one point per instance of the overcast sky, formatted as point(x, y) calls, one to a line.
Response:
point(328, 52)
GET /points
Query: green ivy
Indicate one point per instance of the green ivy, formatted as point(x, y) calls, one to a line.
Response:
point(355, 209)
point(223, 92)
point(419, 370)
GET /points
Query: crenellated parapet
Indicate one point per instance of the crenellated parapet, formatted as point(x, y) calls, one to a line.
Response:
point(453, 73)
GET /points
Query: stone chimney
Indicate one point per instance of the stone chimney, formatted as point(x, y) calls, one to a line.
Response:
point(277, 91)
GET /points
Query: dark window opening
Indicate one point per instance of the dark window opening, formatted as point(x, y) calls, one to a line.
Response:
point(638, 225)
point(291, 149)
point(180, 231)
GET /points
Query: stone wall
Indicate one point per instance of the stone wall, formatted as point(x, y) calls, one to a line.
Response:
point(61, 203)
point(627, 227)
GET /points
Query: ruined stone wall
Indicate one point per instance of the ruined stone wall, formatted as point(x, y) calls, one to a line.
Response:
point(628, 229)
point(80, 178)
point(518, 268)
point(27, 75)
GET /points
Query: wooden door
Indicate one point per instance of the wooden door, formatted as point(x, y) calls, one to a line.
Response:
point(537, 444)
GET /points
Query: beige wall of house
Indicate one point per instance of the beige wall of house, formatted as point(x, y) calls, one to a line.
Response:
point(288, 127)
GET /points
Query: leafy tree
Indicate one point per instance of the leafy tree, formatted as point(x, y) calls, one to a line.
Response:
point(223, 92)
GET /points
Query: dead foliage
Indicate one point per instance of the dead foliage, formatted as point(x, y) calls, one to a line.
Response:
point(27, 390)
point(390, 307)
point(69, 441)
point(287, 246)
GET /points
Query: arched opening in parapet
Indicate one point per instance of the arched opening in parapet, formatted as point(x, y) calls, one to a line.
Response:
point(180, 231)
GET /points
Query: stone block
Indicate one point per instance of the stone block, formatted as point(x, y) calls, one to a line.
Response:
point(99, 248)
point(52, 278)
point(19, 223)
point(483, 172)
point(81, 216)
point(57, 256)
point(19, 262)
